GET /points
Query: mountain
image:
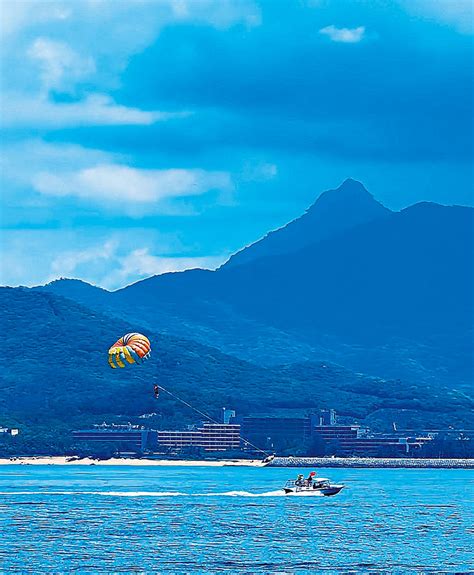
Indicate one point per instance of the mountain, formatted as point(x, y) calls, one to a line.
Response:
point(390, 297)
point(406, 274)
point(58, 364)
point(78, 290)
point(57, 378)
point(333, 212)
point(182, 315)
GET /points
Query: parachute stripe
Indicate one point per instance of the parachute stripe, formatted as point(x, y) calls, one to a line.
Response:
point(135, 356)
point(128, 356)
point(130, 348)
point(140, 349)
point(118, 359)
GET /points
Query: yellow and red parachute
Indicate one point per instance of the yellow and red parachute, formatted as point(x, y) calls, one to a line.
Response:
point(131, 348)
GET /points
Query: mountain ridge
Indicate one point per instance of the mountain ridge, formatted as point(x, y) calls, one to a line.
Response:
point(333, 212)
point(393, 288)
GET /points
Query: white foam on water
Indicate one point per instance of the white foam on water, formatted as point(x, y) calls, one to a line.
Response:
point(242, 494)
point(277, 493)
point(140, 493)
point(109, 493)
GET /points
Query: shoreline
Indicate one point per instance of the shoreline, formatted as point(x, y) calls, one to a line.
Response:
point(326, 462)
point(125, 461)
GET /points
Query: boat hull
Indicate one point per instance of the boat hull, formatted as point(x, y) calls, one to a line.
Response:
point(326, 491)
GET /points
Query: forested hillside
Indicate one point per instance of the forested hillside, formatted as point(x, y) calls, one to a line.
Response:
point(57, 378)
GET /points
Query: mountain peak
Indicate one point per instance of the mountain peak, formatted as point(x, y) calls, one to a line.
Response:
point(351, 191)
point(334, 212)
point(350, 183)
point(75, 289)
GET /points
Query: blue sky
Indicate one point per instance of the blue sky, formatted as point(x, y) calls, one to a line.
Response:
point(146, 136)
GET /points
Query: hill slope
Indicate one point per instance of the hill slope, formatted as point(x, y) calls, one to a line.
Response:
point(57, 377)
point(390, 297)
point(335, 211)
point(397, 290)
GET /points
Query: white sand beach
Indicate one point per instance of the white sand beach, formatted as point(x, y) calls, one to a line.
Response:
point(63, 460)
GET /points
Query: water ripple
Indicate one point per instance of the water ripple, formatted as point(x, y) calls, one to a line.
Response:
point(207, 520)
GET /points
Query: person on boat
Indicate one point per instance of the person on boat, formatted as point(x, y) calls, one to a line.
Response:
point(309, 480)
point(299, 480)
point(156, 391)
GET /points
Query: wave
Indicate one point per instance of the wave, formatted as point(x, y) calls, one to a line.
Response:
point(276, 493)
point(140, 493)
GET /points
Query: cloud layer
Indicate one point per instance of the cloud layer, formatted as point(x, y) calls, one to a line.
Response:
point(121, 188)
point(345, 35)
point(216, 121)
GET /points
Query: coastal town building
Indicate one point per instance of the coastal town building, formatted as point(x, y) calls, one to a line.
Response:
point(132, 437)
point(268, 428)
point(269, 432)
point(319, 433)
point(209, 437)
point(354, 440)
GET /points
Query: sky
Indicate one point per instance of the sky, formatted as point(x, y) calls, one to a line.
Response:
point(147, 136)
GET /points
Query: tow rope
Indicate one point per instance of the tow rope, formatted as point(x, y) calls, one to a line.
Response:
point(206, 416)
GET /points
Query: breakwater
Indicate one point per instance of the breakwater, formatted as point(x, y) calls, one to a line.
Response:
point(374, 462)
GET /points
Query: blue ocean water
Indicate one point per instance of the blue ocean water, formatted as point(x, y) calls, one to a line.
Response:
point(98, 519)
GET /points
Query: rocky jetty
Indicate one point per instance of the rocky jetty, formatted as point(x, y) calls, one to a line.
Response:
point(372, 462)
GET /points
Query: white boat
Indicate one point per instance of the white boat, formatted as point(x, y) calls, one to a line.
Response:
point(319, 486)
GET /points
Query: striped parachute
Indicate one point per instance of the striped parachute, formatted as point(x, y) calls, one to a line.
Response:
point(131, 348)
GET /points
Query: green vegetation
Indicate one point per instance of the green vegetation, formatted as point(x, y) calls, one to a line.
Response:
point(56, 378)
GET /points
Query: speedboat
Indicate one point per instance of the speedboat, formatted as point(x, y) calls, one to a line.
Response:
point(319, 486)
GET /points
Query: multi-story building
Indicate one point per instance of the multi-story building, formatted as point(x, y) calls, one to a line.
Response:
point(133, 437)
point(209, 437)
point(352, 440)
point(340, 439)
point(271, 428)
point(265, 432)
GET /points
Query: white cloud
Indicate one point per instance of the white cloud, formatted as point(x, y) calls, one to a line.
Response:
point(146, 17)
point(57, 44)
point(16, 15)
point(217, 13)
point(67, 262)
point(259, 172)
point(108, 259)
point(140, 263)
point(61, 67)
point(58, 176)
point(95, 110)
point(346, 35)
point(456, 13)
point(131, 190)
point(20, 162)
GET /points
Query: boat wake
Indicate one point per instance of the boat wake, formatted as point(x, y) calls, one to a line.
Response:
point(276, 493)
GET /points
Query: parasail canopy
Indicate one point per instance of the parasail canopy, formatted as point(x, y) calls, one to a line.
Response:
point(131, 348)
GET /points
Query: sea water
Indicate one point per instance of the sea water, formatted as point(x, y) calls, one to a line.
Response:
point(124, 519)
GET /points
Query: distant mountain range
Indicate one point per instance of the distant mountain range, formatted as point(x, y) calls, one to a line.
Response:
point(291, 323)
point(387, 293)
